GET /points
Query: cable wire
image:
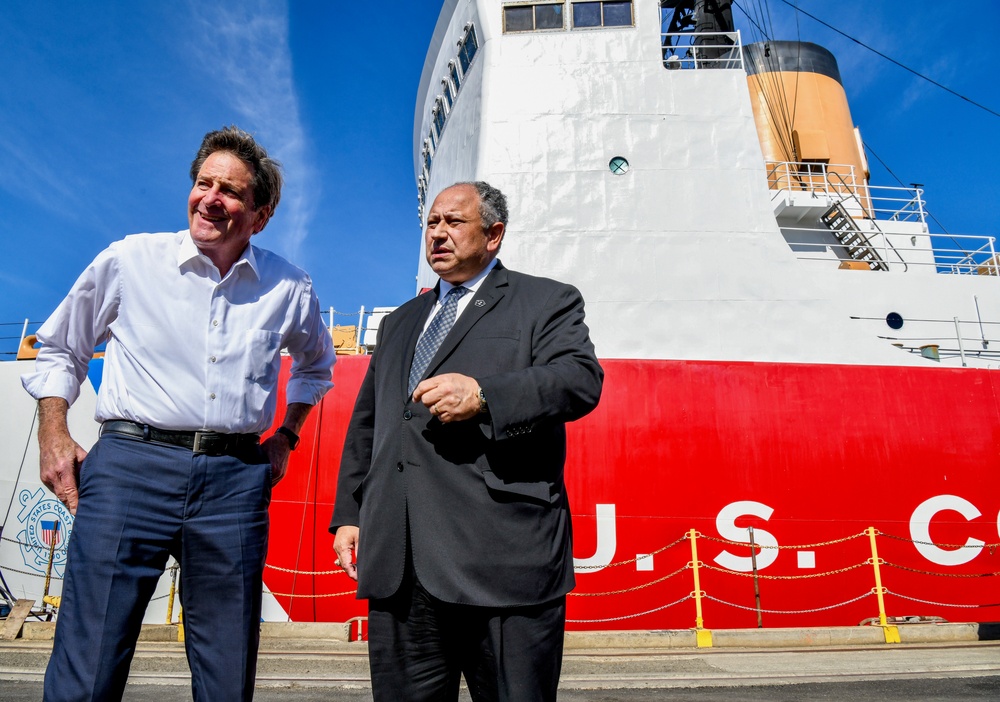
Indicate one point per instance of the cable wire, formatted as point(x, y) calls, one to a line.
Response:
point(893, 61)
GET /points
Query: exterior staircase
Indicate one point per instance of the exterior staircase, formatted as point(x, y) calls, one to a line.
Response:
point(855, 243)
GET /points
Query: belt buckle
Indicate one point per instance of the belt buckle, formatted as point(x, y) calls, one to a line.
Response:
point(196, 447)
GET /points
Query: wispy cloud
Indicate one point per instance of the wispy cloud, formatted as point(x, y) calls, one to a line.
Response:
point(245, 51)
point(24, 169)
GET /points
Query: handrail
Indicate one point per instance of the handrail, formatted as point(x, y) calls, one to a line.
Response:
point(885, 239)
point(730, 56)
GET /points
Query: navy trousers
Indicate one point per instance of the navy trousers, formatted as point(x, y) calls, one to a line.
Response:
point(141, 502)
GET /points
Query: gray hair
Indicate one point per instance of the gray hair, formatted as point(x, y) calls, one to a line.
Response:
point(492, 203)
point(266, 181)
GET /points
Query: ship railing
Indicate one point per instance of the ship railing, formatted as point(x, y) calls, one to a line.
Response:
point(701, 50)
point(797, 176)
point(348, 339)
point(955, 254)
point(840, 180)
point(982, 261)
point(356, 339)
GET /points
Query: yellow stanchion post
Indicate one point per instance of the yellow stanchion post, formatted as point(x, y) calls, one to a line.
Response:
point(891, 632)
point(180, 626)
point(173, 592)
point(703, 635)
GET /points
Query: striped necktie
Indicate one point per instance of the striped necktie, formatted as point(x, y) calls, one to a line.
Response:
point(437, 330)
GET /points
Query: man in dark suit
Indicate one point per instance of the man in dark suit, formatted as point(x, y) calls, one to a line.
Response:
point(452, 472)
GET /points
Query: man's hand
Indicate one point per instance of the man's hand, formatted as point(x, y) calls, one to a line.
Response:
point(345, 543)
point(60, 457)
point(451, 397)
point(276, 448)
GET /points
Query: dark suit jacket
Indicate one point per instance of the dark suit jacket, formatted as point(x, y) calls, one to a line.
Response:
point(483, 500)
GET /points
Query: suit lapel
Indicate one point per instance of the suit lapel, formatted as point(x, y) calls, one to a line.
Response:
point(410, 330)
point(489, 294)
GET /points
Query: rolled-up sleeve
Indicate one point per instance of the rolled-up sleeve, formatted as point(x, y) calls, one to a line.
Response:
point(71, 333)
point(312, 352)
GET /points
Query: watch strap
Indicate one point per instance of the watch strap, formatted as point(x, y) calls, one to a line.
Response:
point(293, 438)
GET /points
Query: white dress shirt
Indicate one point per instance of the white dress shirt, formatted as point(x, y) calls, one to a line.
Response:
point(186, 350)
point(472, 285)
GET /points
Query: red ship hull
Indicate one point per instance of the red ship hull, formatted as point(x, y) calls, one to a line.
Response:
point(805, 454)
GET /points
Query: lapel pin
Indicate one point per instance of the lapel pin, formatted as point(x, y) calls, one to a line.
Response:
point(480, 303)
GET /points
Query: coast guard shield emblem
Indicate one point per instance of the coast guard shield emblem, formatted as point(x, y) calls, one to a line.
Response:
point(46, 522)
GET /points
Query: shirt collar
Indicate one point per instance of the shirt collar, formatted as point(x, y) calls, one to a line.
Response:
point(472, 285)
point(188, 251)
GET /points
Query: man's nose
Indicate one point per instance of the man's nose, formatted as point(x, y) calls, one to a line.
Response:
point(211, 196)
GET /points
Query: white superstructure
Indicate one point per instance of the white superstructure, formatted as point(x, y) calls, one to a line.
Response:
point(687, 254)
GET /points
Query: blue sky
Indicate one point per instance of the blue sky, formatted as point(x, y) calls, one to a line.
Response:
point(103, 103)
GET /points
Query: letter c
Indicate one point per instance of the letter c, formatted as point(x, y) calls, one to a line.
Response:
point(920, 530)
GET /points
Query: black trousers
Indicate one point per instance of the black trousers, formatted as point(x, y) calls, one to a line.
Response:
point(419, 647)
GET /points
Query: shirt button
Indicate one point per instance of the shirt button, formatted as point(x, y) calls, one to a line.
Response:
point(407, 415)
point(399, 467)
point(212, 359)
point(212, 396)
point(215, 322)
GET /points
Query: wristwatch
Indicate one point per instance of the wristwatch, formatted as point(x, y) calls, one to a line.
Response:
point(483, 409)
point(293, 438)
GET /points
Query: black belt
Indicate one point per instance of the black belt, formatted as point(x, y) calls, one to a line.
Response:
point(210, 443)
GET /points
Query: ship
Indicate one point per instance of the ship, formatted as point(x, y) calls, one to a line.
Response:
point(800, 423)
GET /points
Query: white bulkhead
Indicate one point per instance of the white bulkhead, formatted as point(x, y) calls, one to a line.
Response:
point(681, 255)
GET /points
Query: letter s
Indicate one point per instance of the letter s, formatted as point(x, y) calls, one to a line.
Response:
point(725, 523)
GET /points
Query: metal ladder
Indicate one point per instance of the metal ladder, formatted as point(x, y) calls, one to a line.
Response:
point(845, 229)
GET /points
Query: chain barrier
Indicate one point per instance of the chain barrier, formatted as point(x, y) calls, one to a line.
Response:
point(311, 597)
point(629, 616)
point(991, 547)
point(353, 315)
point(630, 589)
point(305, 572)
point(941, 575)
point(786, 577)
point(943, 604)
point(8, 569)
point(795, 547)
point(692, 535)
point(615, 564)
point(59, 549)
point(791, 611)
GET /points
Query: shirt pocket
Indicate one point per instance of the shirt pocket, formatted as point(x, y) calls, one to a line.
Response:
point(261, 356)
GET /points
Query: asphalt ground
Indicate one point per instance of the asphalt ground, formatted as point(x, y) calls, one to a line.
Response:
point(946, 662)
point(915, 690)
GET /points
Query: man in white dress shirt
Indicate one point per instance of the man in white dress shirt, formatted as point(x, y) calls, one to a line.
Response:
point(195, 322)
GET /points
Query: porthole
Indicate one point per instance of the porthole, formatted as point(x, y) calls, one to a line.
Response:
point(618, 165)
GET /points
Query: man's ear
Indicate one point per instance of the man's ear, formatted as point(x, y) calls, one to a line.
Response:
point(261, 218)
point(494, 236)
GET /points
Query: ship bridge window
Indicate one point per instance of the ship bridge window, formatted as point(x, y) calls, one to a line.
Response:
point(534, 17)
point(449, 95)
point(602, 14)
point(467, 49)
point(456, 79)
point(439, 114)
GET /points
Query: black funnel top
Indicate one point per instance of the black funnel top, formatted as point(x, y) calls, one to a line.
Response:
point(790, 56)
